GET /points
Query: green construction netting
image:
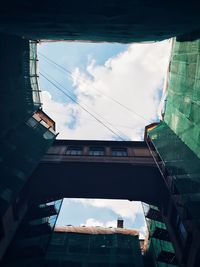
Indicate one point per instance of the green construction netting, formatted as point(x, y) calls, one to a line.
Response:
point(156, 245)
point(182, 165)
point(183, 93)
point(159, 245)
point(94, 250)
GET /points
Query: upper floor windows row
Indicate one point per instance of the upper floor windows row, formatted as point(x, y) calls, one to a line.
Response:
point(74, 151)
point(96, 151)
point(91, 151)
point(119, 152)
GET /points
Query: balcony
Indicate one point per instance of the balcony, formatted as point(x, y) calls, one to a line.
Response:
point(41, 212)
point(167, 257)
point(154, 215)
point(160, 233)
point(36, 230)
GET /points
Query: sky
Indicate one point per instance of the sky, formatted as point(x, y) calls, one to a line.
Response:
point(118, 89)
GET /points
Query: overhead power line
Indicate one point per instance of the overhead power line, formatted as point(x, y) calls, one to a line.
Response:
point(60, 67)
point(81, 106)
point(119, 132)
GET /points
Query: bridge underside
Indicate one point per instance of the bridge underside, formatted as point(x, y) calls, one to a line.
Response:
point(101, 20)
point(97, 180)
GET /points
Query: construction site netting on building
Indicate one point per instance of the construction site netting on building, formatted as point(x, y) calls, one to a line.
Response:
point(93, 247)
point(160, 252)
point(177, 138)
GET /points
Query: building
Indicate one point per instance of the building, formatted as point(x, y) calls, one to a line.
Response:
point(26, 133)
point(170, 182)
point(94, 246)
point(160, 251)
point(72, 246)
point(175, 142)
point(96, 169)
point(31, 240)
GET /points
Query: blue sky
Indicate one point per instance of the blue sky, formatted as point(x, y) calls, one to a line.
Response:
point(72, 208)
point(121, 85)
point(104, 213)
point(70, 55)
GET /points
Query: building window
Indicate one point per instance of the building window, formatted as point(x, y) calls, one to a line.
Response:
point(56, 150)
point(119, 152)
point(74, 151)
point(96, 151)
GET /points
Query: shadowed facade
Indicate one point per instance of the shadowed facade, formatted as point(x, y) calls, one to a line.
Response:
point(97, 169)
point(100, 21)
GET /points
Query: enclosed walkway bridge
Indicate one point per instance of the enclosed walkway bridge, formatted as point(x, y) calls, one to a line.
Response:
point(97, 169)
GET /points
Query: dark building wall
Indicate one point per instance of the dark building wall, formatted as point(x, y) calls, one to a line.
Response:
point(16, 101)
point(24, 135)
point(131, 176)
point(32, 237)
point(20, 154)
point(113, 21)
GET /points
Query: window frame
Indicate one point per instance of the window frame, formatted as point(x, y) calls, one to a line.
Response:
point(74, 151)
point(124, 151)
point(96, 151)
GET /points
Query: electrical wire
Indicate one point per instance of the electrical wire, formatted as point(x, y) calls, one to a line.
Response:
point(105, 95)
point(80, 105)
point(69, 92)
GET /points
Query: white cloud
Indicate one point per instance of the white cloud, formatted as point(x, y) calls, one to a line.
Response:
point(133, 78)
point(143, 232)
point(94, 222)
point(61, 113)
point(124, 208)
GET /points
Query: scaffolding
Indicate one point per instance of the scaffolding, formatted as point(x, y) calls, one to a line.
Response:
point(176, 140)
point(33, 236)
point(160, 249)
point(183, 94)
point(94, 247)
point(180, 168)
point(33, 74)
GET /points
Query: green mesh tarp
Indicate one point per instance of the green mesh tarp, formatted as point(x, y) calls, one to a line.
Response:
point(183, 99)
point(93, 250)
point(177, 139)
point(156, 245)
point(181, 164)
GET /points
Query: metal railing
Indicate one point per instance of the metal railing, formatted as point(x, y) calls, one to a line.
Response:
point(33, 73)
point(30, 73)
